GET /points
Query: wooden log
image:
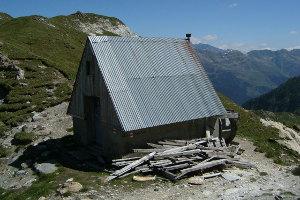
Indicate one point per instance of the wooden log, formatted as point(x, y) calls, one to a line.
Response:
point(158, 146)
point(171, 143)
point(147, 150)
point(130, 166)
point(181, 153)
point(180, 166)
point(125, 159)
point(241, 164)
point(202, 166)
point(211, 175)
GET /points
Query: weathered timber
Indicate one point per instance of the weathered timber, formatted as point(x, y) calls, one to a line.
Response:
point(147, 150)
point(180, 166)
point(202, 166)
point(126, 159)
point(158, 146)
point(211, 175)
point(130, 166)
point(196, 155)
point(171, 143)
point(241, 164)
point(182, 153)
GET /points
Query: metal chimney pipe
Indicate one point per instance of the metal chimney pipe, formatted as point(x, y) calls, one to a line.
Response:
point(188, 36)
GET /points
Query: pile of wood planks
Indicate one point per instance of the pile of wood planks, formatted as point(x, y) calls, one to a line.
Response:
point(175, 159)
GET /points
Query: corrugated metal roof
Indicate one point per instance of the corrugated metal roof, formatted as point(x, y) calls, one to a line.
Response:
point(154, 81)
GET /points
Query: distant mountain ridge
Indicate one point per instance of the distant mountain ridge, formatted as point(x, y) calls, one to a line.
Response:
point(285, 98)
point(245, 76)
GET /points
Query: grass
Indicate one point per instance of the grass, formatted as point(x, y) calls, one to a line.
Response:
point(250, 127)
point(24, 137)
point(3, 152)
point(35, 41)
point(42, 187)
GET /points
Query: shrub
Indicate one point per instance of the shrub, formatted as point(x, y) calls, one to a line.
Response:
point(24, 137)
point(3, 152)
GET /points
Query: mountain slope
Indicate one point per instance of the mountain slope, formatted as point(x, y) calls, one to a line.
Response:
point(285, 98)
point(39, 58)
point(244, 76)
point(57, 41)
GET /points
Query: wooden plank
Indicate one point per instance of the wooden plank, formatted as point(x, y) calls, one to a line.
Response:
point(170, 143)
point(130, 166)
point(126, 159)
point(180, 166)
point(158, 146)
point(182, 153)
point(241, 164)
point(147, 150)
point(211, 175)
point(202, 166)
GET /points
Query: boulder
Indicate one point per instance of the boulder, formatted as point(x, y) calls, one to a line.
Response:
point(45, 168)
point(70, 187)
point(196, 180)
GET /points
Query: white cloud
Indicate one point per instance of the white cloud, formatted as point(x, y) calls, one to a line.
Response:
point(294, 32)
point(205, 39)
point(233, 5)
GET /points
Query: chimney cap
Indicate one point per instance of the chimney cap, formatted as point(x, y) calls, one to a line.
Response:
point(188, 35)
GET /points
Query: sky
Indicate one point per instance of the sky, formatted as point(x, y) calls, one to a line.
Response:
point(228, 24)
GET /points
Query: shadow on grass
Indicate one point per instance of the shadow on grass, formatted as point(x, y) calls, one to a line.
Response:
point(62, 152)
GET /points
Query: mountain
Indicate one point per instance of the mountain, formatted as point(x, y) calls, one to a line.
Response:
point(285, 98)
point(39, 58)
point(244, 76)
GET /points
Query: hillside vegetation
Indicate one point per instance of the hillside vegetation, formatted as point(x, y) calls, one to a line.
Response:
point(48, 52)
point(245, 76)
point(285, 98)
point(250, 127)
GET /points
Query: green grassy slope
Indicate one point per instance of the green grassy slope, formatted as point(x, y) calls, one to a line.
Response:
point(285, 98)
point(57, 44)
point(250, 127)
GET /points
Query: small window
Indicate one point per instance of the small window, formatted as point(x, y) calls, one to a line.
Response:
point(88, 68)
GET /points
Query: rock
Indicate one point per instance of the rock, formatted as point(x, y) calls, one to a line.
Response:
point(70, 187)
point(20, 172)
point(45, 168)
point(24, 165)
point(143, 178)
point(39, 127)
point(196, 180)
point(44, 133)
point(69, 180)
point(29, 182)
point(36, 117)
point(42, 198)
point(25, 128)
point(230, 177)
point(257, 149)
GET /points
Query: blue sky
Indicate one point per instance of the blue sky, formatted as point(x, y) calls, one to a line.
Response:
point(236, 24)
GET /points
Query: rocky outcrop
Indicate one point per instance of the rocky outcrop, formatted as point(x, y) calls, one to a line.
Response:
point(100, 25)
point(289, 137)
point(9, 65)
